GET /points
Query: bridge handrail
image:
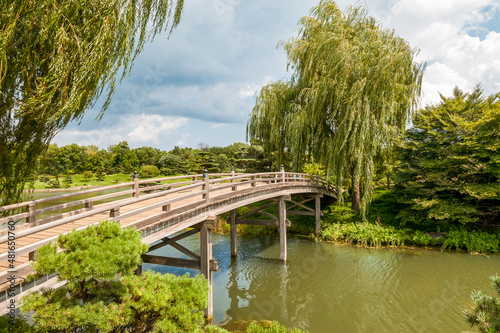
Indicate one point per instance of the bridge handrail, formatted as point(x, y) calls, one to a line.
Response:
point(232, 179)
point(235, 180)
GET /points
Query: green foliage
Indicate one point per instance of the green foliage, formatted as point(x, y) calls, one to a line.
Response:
point(171, 164)
point(486, 311)
point(103, 295)
point(364, 234)
point(450, 163)
point(56, 60)
point(100, 175)
point(353, 88)
point(17, 326)
point(87, 175)
point(273, 327)
point(472, 241)
point(148, 171)
point(89, 255)
point(314, 169)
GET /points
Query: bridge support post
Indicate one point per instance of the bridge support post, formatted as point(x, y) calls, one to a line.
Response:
point(317, 212)
point(282, 227)
point(232, 222)
point(205, 259)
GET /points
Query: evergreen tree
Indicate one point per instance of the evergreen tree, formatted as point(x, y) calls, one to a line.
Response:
point(102, 294)
point(486, 311)
point(450, 163)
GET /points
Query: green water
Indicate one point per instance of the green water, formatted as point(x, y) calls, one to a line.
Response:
point(325, 287)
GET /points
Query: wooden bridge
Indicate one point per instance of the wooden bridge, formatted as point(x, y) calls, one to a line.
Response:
point(158, 208)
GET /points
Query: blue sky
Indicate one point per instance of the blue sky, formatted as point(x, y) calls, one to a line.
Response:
point(199, 86)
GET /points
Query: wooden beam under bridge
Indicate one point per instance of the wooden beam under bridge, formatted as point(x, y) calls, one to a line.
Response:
point(204, 261)
point(278, 219)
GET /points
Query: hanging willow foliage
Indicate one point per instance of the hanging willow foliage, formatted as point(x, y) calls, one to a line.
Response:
point(353, 88)
point(56, 59)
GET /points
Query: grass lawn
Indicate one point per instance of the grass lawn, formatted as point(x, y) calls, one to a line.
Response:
point(78, 181)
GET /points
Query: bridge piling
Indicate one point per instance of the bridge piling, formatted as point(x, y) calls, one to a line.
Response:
point(317, 212)
point(232, 221)
point(282, 227)
point(205, 259)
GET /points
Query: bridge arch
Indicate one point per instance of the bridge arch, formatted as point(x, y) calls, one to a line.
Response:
point(157, 207)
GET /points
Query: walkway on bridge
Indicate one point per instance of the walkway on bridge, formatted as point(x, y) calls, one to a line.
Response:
point(156, 207)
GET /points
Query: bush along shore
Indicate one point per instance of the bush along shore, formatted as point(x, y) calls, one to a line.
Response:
point(380, 229)
point(372, 235)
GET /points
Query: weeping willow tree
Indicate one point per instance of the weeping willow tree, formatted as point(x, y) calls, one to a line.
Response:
point(353, 88)
point(57, 57)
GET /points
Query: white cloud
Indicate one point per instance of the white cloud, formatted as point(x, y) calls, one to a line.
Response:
point(224, 51)
point(183, 140)
point(137, 130)
point(440, 29)
point(150, 128)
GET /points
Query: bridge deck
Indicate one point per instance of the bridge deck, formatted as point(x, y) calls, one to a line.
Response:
point(147, 208)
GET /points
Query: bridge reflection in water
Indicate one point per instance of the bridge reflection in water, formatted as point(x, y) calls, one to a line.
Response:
point(159, 208)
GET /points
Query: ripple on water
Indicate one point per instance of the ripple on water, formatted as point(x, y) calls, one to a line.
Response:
point(325, 287)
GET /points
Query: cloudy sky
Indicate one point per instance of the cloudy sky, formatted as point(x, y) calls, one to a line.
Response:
point(199, 86)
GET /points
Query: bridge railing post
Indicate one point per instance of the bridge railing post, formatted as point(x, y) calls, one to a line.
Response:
point(282, 169)
point(317, 178)
point(135, 187)
point(30, 209)
point(232, 180)
point(205, 186)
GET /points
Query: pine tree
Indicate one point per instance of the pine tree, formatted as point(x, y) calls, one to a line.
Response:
point(450, 163)
point(103, 294)
point(486, 311)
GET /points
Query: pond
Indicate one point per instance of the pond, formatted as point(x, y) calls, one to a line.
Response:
point(325, 287)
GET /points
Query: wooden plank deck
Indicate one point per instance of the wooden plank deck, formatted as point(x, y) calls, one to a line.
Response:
point(132, 210)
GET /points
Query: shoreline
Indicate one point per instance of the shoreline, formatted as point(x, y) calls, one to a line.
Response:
point(76, 188)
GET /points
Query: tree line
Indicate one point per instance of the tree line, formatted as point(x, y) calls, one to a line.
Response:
point(120, 158)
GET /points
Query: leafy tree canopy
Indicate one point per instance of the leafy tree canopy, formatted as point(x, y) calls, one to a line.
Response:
point(56, 59)
point(450, 162)
point(353, 88)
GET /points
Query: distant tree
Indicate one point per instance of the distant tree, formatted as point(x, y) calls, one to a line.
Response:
point(68, 180)
point(147, 155)
point(100, 174)
point(172, 162)
point(56, 60)
point(87, 175)
point(486, 311)
point(72, 158)
point(101, 159)
point(353, 89)
point(222, 163)
point(102, 294)
point(123, 157)
point(450, 163)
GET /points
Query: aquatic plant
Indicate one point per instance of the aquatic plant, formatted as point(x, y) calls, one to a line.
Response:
point(472, 241)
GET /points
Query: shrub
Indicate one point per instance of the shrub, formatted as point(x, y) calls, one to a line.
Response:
point(102, 294)
point(273, 327)
point(148, 171)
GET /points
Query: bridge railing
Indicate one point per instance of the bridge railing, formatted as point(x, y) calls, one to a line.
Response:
point(189, 186)
point(41, 208)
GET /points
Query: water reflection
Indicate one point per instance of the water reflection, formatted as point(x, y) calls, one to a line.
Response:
point(329, 288)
